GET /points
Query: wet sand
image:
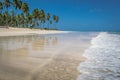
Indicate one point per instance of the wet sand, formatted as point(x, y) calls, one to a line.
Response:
point(42, 57)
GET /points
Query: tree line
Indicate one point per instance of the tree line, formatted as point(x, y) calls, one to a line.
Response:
point(21, 17)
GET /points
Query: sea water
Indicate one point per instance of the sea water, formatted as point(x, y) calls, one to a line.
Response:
point(103, 58)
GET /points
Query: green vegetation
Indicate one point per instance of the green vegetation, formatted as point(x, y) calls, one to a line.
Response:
point(20, 16)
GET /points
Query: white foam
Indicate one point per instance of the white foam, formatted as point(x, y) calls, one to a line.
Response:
point(103, 59)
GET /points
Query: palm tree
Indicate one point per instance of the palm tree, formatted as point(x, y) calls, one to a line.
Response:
point(17, 4)
point(42, 16)
point(18, 18)
point(25, 7)
point(48, 18)
point(35, 15)
point(22, 21)
point(13, 20)
point(1, 7)
point(28, 19)
point(56, 19)
point(50, 22)
point(6, 4)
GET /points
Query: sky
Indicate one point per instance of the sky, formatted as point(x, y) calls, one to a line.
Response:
point(101, 15)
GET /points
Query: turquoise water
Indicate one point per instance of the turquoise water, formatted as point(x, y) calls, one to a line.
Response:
point(103, 58)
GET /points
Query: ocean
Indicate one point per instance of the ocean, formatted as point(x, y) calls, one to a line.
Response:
point(103, 58)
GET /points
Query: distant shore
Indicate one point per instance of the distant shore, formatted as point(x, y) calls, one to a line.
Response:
point(25, 31)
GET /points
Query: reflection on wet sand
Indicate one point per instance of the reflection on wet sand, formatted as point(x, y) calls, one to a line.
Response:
point(23, 54)
point(41, 57)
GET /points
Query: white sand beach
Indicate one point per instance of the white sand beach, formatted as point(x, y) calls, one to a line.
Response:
point(25, 31)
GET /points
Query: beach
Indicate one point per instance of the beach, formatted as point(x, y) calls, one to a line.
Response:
point(45, 55)
point(25, 31)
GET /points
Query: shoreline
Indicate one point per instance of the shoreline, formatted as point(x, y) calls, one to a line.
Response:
point(57, 62)
point(25, 31)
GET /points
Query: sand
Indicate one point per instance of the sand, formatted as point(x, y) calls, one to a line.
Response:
point(45, 57)
point(25, 31)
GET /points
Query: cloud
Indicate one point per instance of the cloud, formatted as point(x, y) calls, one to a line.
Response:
point(95, 10)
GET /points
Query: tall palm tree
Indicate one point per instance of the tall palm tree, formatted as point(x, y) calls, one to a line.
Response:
point(42, 17)
point(50, 22)
point(22, 21)
point(6, 4)
point(56, 19)
point(25, 7)
point(1, 7)
point(28, 19)
point(17, 4)
point(13, 20)
point(48, 18)
point(35, 15)
point(18, 18)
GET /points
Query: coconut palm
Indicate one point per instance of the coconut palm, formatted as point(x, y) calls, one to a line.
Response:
point(28, 19)
point(6, 4)
point(42, 17)
point(15, 4)
point(22, 21)
point(38, 17)
point(18, 18)
point(1, 7)
point(35, 15)
point(50, 22)
point(13, 20)
point(25, 7)
point(56, 19)
point(48, 18)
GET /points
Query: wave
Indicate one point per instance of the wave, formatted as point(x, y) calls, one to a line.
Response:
point(103, 58)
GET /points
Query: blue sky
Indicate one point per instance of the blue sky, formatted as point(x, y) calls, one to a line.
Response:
point(82, 14)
